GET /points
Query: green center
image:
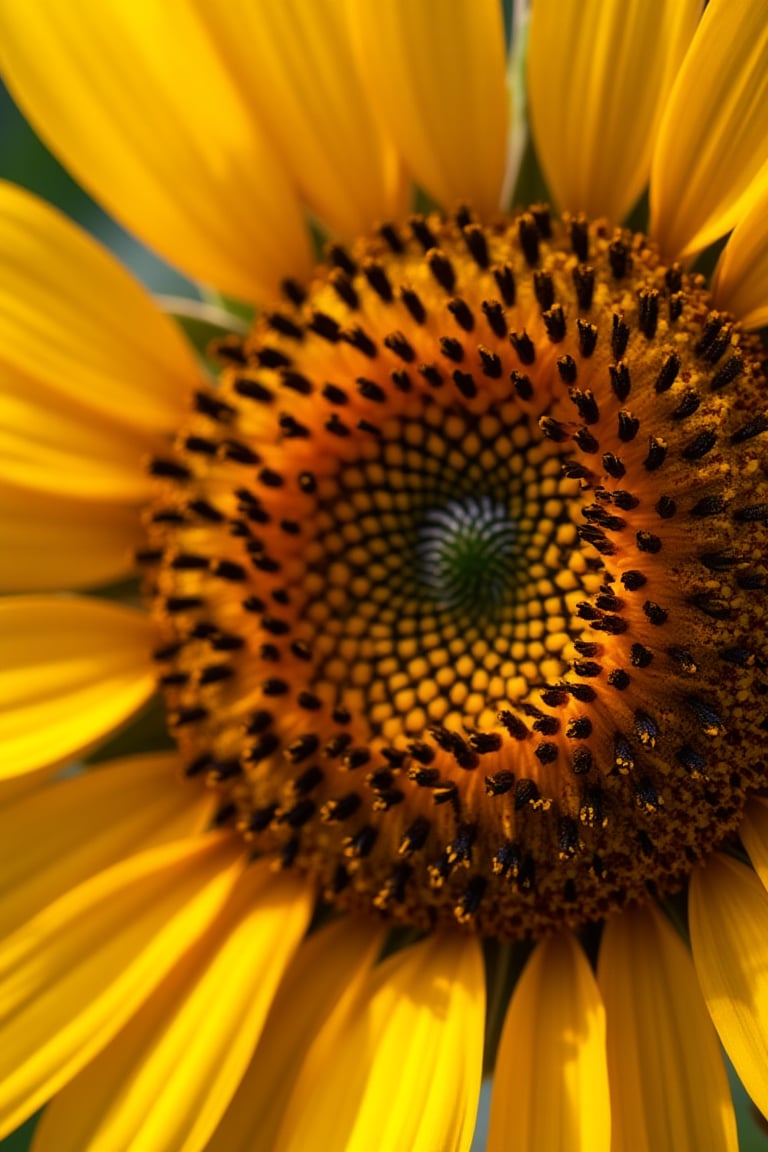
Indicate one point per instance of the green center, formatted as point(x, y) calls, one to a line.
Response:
point(465, 551)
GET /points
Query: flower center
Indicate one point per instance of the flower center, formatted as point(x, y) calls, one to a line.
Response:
point(465, 554)
point(462, 571)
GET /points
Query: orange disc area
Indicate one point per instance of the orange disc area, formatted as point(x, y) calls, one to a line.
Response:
point(461, 569)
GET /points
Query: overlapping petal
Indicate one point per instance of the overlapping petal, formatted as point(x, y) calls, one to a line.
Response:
point(324, 978)
point(165, 1080)
point(740, 282)
point(137, 102)
point(709, 163)
point(52, 542)
point(669, 1088)
point(73, 976)
point(555, 1096)
point(599, 75)
point(728, 910)
point(67, 831)
point(51, 442)
point(404, 1070)
point(295, 65)
point(437, 80)
point(71, 670)
point(72, 318)
point(754, 835)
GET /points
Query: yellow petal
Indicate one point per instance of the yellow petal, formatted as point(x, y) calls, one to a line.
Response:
point(550, 1087)
point(438, 82)
point(51, 543)
point(754, 835)
point(74, 319)
point(71, 670)
point(136, 101)
point(669, 1087)
point(74, 975)
point(713, 137)
point(53, 443)
point(296, 65)
point(740, 282)
point(728, 911)
point(404, 1070)
point(165, 1080)
point(328, 968)
point(69, 830)
point(599, 75)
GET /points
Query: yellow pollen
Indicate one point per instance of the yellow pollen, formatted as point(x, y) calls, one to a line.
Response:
point(462, 577)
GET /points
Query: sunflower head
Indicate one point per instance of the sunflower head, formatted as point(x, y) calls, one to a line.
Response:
point(461, 574)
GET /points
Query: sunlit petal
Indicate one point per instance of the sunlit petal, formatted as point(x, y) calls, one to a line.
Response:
point(556, 1097)
point(325, 977)
point(599, 75)
point(51, 543)
point(754, 835)
point(740, 282)
point(728, 911)
point(713, 138)
point(73, 319)
point(669, 1087)
point(74, 975)
point(404, 1071)
point(296, 66)
point(137, 102)
point(165, 1080)
point(54, 443)
point(439, 85)
point(69, 830)
point(71, 670)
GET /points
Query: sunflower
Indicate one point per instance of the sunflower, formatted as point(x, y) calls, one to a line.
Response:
point(450, 575)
